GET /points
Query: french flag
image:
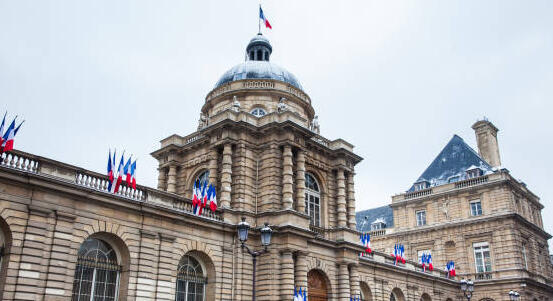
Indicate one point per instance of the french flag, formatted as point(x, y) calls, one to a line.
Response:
point(262, 17)
point(430, 266)
point(203, 199)
point(133, 175)
point(127, 171)
point(7, 139)
point(2, 129)
point(212, 198)
point(110, 170)
point(119, 174)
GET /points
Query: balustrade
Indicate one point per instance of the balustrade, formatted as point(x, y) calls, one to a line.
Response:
point(20, 162)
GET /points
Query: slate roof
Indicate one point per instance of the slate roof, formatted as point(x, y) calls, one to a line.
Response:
point(384, 212)
point(452, 163)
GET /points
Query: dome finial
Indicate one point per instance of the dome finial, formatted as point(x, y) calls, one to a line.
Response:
point(259, 49)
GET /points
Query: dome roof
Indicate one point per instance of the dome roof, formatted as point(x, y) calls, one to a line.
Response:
point(258, 70)
point(258, 66)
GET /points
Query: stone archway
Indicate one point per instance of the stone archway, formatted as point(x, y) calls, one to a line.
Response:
point(317, 286)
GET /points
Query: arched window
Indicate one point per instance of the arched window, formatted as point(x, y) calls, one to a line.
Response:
point(191, 280)
point(203, 177)
point(312, 200)
point(258, 112)
point(259, 55)
point(97, 272)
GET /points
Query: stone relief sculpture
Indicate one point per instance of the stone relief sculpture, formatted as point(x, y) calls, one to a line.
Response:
point(445, 208)
point(315, 127)
point(203, 121)
point(236, 104)
point(281, 107)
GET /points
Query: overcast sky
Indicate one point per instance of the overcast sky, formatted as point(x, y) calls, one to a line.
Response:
point(395, 78)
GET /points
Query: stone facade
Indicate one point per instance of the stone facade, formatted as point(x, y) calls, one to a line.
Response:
point(263, 167)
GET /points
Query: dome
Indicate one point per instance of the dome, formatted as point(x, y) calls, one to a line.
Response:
point(258, 70)
point(258, 66)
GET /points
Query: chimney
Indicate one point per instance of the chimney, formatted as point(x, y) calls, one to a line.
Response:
point(486, 137)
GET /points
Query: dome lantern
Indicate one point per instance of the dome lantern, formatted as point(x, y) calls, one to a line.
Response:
point(259, 49)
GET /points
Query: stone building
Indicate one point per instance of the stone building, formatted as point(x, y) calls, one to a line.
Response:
point(65, 236)
point(467, 208)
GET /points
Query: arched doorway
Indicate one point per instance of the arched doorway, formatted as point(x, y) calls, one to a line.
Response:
point(317, 288)
point(425, 297)
point(397, 295)
point(365, 292)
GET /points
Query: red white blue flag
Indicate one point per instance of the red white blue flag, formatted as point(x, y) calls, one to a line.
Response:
point(264, 19)
point(133, 175)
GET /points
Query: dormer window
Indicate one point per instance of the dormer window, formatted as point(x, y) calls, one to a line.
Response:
point(378, 224)
point(258, 112)
point(421, 185)
point(473, 172)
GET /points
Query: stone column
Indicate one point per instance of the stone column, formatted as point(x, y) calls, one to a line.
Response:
point(343, 282)
point(300, 182)
point(341, 198)
point(226, 176)
point(287, 178)
point(300, 270)
point(172, 179)
point(354, 280)
point(213, 156)
point(161, 179)
point(351, 202)
point(286, 275)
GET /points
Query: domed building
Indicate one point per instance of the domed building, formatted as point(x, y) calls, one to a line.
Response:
point(285, 217)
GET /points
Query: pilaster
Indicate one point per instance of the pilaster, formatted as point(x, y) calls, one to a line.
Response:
point(172, 179)
point(351, 202)
point(162, 179)
point(341, 198)
point(343, 282)
point(287, 178)
point(286, 275)
point(226, 176)
point(354, 280)
point(300, 181)
point(300, 270)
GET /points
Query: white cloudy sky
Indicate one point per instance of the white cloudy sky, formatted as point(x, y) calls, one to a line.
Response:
point(395, 78)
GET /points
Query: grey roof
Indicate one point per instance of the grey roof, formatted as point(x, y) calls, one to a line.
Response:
point(452, 163)
point(384, 212)
point(258, 70)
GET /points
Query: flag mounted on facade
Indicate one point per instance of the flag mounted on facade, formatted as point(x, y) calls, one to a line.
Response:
point(127, 171)
point(133, 175)
point(7, 139)
point(264, 19)
point(2, 129)
point(212, 198)
point(110, 170)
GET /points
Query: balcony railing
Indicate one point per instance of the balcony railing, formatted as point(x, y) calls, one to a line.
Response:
point(471, 182)
point(483, 276)
point(28, 163)
point(319, 230)
point(377, 233)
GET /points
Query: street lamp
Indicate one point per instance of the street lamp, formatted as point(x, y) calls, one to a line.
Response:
point(266, 233)
point(514, 296)
point(467, 287)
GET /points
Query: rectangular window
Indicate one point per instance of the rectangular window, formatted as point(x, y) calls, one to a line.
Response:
point(313, 209)
point(475, 208)
point(421, 217)
point(482, 258)
point(420, 252)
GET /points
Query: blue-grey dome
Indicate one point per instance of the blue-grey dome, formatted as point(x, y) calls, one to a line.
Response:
point(258, 70)
point(258, 65)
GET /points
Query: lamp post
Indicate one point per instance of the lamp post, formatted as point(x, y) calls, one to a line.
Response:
point(514, 296)
point(467, 287)
point(266, 232)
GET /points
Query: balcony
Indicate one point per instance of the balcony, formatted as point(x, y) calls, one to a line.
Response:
point(483, 276)
point(17, 161)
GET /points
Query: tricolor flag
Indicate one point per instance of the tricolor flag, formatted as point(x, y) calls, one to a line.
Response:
point(429, 261)
point(127, 171)
point(7, 139)
point(262, 17)
point(2, 129)
point(423, 261)
point(133, 175)
point(110, 170)
point(119, 174)
point(212, 198)
point(450, 269)
point(203, 199)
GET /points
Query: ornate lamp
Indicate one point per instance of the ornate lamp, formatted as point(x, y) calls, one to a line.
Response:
point(266, 232)
point(467, 287)
point(514, 295)
point(243, 229)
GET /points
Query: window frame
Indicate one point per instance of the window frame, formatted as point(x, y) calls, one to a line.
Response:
point(315, 218)
point(423, 222)
point(482, 248)
point(188, 279)
point(476, 201)
point(258, 109)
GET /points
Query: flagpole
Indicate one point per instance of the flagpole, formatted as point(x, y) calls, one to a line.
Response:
point(259, 20)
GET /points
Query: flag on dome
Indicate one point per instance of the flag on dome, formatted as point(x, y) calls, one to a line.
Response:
point(262, 17)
